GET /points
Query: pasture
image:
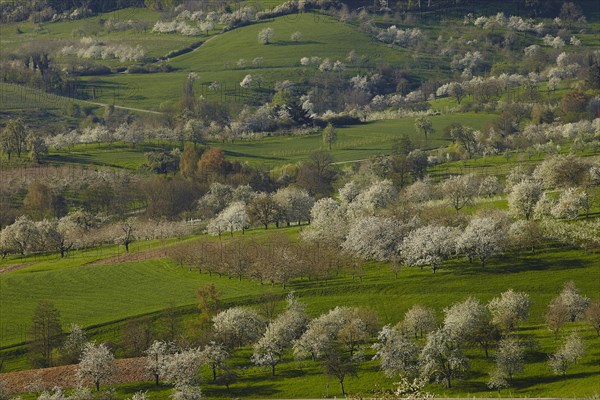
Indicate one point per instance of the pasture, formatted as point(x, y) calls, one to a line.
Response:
point(103, 296)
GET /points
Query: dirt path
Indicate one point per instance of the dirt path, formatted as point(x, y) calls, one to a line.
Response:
point(12, 268)
point(128, 370)
point(154, 254)
point(348, 162)
point(124, 108)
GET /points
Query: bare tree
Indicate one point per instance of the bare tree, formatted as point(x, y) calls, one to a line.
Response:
point(592, 316)
point(126, 231)
point(263, 209)
point(557, 315)
point(45, 332)
point(340, 364)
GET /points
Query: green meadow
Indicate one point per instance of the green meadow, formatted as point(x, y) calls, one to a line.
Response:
point(102, 296)
point(354, 142)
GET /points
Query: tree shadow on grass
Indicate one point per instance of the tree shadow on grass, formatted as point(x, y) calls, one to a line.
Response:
point(468, 386)
point(292, 43)
point(292, 373)
point(80, 159)
point(536, 357)
point(246, 155)
point(137, 387)
point(511, 263)
point(242, 390)
point(548, 379)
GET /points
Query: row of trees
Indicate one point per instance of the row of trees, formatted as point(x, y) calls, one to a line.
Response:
point(373, 217)
point(360, 222)
point(277, 261)
point(288, 205)
point(16, 138)
point(80, 230)
point(417, 346)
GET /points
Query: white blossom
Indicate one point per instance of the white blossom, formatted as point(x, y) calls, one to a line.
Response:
point(509, 358)
point(379, 195)
point(329, 222)
point(247, 81)
point(295, 203)
point(461, 319)
point(397, 354)
point(569, 204)
point(231, 219)
point(238, 326)
point(510, 308)
point(96, 365)
point(442, 358)
point(183, 367)
point(158, 357)
point(482, 239)
point(523, 198)
point(429, 246)
point(265, 36)
point(576, 303)
point(419, 320)
point(375, 238)
point(280, 333)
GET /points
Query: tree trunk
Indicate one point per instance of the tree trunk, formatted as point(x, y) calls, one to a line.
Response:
point(97, 386)
point(156, 379)
point(272, 369)
point(342, 386)
point(214, 370)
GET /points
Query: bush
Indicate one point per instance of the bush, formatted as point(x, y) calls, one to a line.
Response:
point(91, 70)
point(179, 52)
point(149, 68)
point(339, 120)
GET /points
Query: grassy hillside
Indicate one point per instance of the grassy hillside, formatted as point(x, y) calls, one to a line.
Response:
point(99, 294)
point(322, 36)
point(57, 34)
point(354, 143)
point(216, 60)
point(36, 107)
point(103, 291)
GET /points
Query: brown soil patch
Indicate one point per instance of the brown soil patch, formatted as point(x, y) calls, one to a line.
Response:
point(155, 254)
point(15, 267)
point(128, 370)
